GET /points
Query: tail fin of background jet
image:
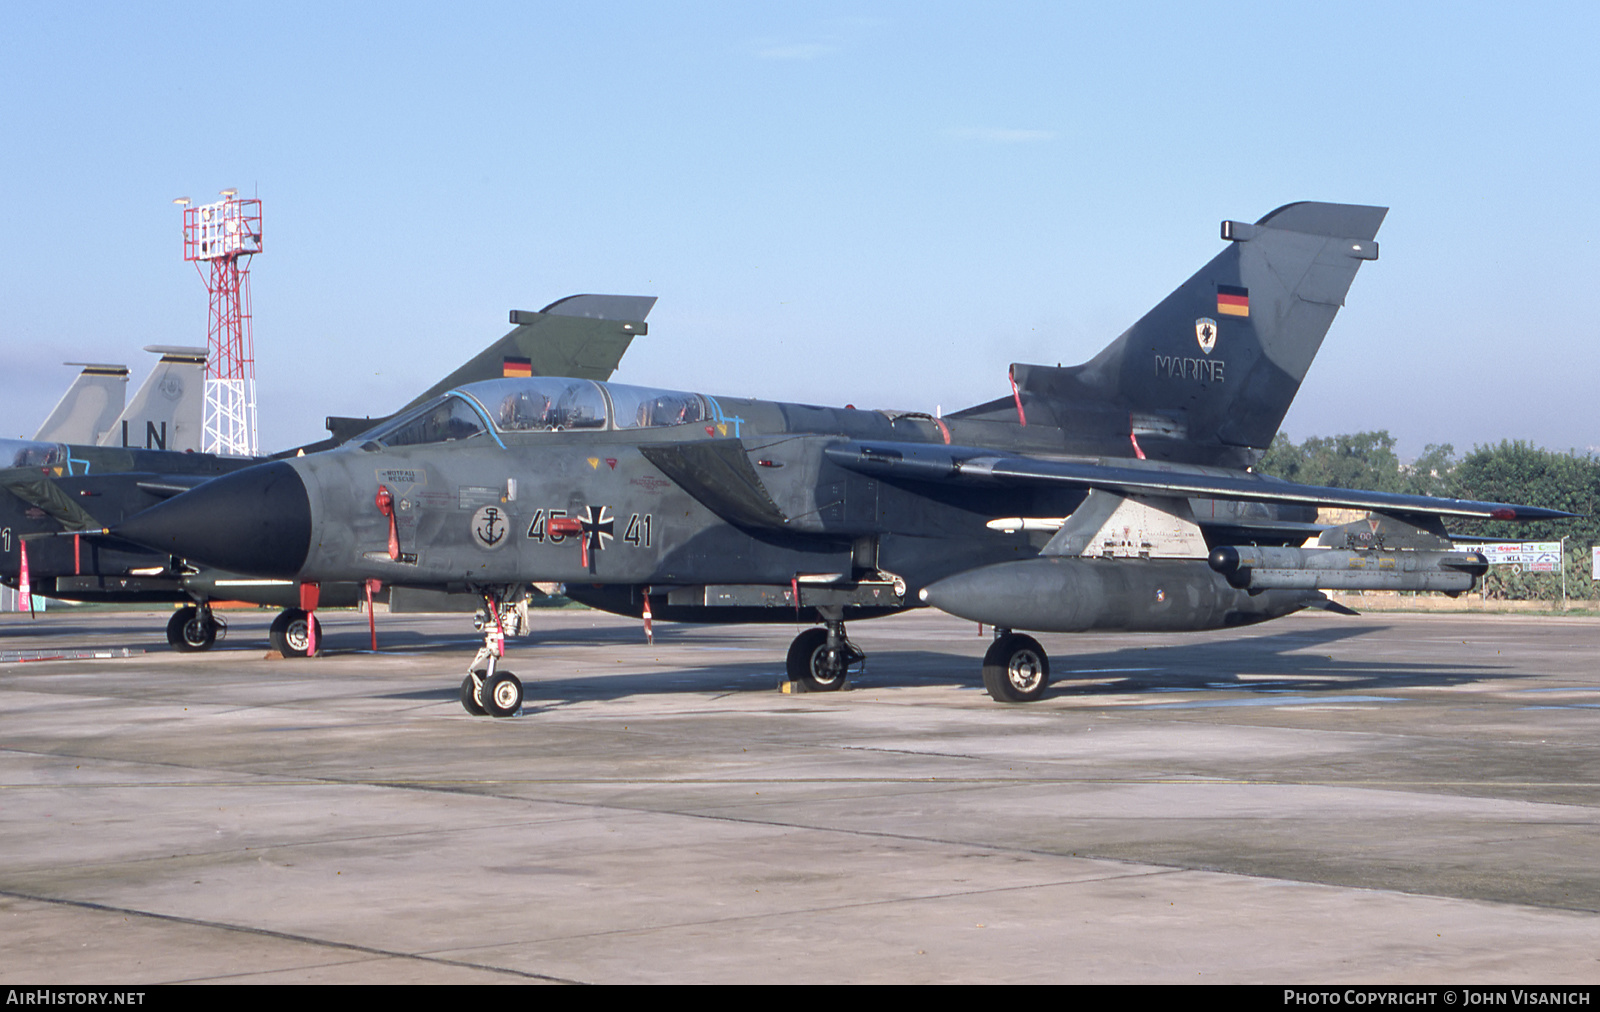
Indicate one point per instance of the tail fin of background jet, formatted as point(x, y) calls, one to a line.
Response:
point(581, 336)
point(168, 411)
point(90, 406)
point(1209, 373)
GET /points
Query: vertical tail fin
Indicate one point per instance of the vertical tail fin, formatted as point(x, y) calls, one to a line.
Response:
point(89, 408)
point(168, 411)
point(1217, 362)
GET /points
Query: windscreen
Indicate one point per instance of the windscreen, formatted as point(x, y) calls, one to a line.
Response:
point(28, 453)
point(446, 419)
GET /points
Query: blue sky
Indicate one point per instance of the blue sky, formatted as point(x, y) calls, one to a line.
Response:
point(876, 203)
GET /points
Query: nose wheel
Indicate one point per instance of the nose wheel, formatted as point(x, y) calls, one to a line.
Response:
point(501, 695)
point(496, 695)
point(469, 697)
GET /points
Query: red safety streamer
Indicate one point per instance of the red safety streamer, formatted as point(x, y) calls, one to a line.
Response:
point(372, 619)
point(385, 503)
point(499, 629)
point(310, 593)
point(649, 633)
point(24, 586)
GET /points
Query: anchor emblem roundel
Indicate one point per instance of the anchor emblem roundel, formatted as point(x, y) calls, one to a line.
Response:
point(490, 525)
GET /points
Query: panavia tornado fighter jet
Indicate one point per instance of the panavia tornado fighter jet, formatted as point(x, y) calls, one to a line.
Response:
point(1113, 495)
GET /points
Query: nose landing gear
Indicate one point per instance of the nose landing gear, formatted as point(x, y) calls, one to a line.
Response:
point(487, 691)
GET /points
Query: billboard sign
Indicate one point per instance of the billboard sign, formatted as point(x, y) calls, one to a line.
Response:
point(1525, 556)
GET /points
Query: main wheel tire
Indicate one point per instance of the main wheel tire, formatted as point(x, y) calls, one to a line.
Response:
point(807, 663)
point(502, 695)
point(1016, 669)
point(469, 698)
point(189, 631)
point(289, 632)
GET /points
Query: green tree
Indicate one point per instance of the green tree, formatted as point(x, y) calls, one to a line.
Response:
point(1518, 472)
point(1358, 460)
point(1433, 473)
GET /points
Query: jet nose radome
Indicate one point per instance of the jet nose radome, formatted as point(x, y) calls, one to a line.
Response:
point(255, 521)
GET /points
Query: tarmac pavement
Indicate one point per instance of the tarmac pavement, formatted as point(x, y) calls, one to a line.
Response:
point(1391, 798)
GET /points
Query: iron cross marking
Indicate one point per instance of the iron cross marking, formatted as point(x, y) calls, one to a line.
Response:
point(599, 526)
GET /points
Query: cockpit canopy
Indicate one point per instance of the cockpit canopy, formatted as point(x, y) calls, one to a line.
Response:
point(444, 419)
point(647, 408)
point(537, 404)
point(29, 453)
point(541, 403)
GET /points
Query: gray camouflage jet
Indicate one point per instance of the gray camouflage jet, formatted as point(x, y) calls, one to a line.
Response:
point(1113, 495)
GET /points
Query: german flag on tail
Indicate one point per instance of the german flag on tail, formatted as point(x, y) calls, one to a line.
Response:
point(1233, 300)
point(516, 366)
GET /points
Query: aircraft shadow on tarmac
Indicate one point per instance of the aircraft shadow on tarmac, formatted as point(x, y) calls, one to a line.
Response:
point(1271, 664)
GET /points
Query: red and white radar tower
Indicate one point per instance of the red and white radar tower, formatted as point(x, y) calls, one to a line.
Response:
point(227, 235)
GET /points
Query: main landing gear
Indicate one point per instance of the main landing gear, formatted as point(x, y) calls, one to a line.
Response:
point(821, 659)
point(193, 628)
point(1015, 669)
point(291, 632)
point(487, 691)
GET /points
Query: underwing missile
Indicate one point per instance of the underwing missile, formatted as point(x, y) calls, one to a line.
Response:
point(1252, 568)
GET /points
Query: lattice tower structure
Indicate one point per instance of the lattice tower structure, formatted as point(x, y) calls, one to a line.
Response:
point(221, 239)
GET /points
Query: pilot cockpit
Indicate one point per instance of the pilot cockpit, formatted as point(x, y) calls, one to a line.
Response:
point(537, 404)
point(446, 419)
point(30, 453)
point(644, 407)
point(542, 403)
point(554, 404)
